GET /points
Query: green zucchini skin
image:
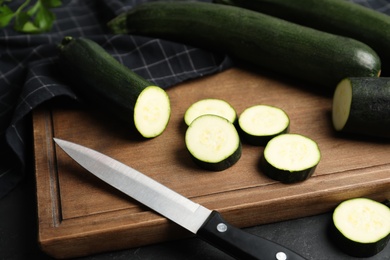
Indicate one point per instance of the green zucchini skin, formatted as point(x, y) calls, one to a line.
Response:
point(257, 140)
point(357, 249)
point(99, 69)
point(101, 79)
point(258, 39)
point(334, 16)
point(285, 176)
point(220, 166)
point(369, 112)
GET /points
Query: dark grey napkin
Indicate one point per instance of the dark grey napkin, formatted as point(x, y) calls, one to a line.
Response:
point(28, 77)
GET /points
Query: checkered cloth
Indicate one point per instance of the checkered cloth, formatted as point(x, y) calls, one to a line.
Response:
point(27, 77)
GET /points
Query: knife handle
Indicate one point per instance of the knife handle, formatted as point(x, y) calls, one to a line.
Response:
point(240, 244)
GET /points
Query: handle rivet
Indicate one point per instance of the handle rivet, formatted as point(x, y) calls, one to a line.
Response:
point(281, 256)
point(221, 227)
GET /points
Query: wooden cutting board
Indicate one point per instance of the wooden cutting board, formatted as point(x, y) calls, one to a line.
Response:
point(79, 215)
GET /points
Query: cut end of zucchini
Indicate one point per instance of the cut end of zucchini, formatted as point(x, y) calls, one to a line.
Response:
point(152, 112)
point(118, 24)
point(342, 100)
point(290, 158)
point(210, 106)
point(213, 142)
point(260, 123)
point(363, 226)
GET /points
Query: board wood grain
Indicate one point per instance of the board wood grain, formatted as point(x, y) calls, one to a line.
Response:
point(80, 215)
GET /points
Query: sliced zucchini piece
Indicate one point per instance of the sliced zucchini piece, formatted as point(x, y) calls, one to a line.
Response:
point(290, 158)
point(210, 106)
point(362, 106)
point(213, 142)
point(361, 227)
point(152, 111)
point(259, 124)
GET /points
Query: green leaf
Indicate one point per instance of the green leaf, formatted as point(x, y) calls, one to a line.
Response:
point(44, 19)
point(29, 27)
point(37, 19)
point(6, 15)
point(34, 9)
point(21, 18)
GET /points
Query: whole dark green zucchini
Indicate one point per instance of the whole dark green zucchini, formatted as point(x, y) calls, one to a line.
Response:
point(362, 106)
point(334, 16)
point(290, 49)
point(113, 87)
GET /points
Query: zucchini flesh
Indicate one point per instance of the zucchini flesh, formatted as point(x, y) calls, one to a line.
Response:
point(342, 100)
point(210, 106)
point(112, 87)
point(213, 142)
point(362, 106)
point(334, 16)
point(290, 158)
point(261, 40)
point(259, 124)
point(361, 226)
point(151, 111)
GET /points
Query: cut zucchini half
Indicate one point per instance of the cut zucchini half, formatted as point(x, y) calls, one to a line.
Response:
point(361, 227)
point(112, 87)
point(152, 111)
point(213, 142)
point(362, 106)
point(259, 124)
point(210, 106)
point(290, 158)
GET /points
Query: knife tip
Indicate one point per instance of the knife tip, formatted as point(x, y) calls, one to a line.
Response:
point(58, 141)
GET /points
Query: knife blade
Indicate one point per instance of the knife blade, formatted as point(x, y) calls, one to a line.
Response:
point(205, 223)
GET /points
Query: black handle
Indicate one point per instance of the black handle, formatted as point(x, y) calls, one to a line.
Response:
point(240, 244)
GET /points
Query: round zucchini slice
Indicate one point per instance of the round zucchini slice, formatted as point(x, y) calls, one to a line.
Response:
point(152, 111)
point(290, 158)
point(210, 106)
point(213, 142)
point(259, 124)
point(361, 227)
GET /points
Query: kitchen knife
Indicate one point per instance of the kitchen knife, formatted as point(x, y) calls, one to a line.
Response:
point(207, 224)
